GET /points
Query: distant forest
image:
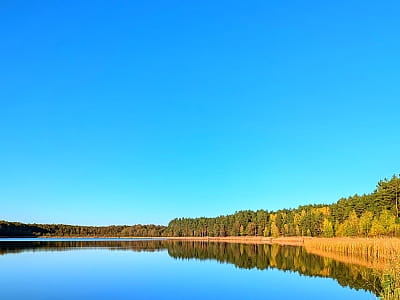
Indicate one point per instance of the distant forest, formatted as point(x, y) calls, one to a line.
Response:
point(14, 229)
point(368, 215)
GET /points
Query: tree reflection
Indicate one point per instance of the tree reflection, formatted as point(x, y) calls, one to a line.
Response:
point(262, 257)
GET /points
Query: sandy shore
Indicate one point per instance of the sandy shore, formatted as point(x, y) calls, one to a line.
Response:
point(292, 241)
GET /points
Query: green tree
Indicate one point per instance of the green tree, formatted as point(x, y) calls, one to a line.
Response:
point(251, 229)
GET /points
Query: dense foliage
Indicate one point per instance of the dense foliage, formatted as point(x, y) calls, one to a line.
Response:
point(374, 214)
point(60, 230)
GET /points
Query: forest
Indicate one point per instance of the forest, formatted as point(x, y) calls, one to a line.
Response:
point(14, 229)
point(367, 215)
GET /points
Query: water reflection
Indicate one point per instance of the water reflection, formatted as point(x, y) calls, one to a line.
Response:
point(285, 258)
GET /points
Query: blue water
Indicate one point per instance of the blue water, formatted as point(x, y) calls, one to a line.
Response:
point(115, 272)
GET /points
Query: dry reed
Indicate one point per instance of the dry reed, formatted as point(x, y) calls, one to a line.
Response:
point(379, 249)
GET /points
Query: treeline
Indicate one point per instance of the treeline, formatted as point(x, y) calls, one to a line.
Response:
point(14, 229)
point(374, 214)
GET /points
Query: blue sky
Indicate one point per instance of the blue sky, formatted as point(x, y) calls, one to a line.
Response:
point(142, 111)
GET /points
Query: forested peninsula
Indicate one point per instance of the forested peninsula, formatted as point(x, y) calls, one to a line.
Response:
point(368, 215)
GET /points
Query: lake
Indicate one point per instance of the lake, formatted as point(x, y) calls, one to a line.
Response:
point(162, 269)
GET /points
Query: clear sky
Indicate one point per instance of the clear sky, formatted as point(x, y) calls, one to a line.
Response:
point(123, 112)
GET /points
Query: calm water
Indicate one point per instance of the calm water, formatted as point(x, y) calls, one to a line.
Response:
point(160, 269)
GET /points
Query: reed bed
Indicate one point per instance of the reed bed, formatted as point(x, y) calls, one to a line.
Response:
point(378, 265)
point(378, 249)
point(380, 254)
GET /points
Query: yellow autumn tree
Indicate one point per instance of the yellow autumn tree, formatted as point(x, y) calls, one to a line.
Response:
point(327, 228)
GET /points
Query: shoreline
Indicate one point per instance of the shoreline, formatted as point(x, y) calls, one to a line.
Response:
point(289, 241)
point(374, 253)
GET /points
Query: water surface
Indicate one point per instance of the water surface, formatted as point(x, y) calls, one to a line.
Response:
point(162, 269)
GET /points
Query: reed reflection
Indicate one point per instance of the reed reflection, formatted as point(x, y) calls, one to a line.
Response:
point(262, 257)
